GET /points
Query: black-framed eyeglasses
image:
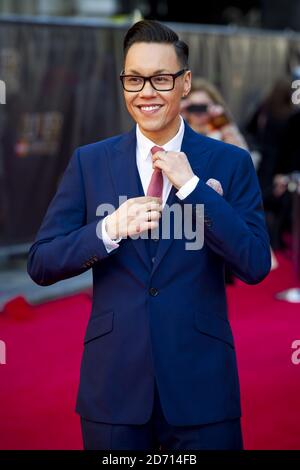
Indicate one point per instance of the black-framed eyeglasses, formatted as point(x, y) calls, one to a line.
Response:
point(160, 82)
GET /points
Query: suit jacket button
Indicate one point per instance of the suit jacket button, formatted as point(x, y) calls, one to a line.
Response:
point(153, 291)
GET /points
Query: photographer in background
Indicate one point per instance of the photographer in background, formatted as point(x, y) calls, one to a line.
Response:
point(207, 113)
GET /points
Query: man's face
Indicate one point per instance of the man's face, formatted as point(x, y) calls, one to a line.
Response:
point(195, 119)
point(156, 112)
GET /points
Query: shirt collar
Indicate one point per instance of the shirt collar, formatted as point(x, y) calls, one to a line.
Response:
point(144, 145)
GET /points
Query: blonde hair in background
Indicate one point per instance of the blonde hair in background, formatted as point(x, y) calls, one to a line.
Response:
point(201, 84)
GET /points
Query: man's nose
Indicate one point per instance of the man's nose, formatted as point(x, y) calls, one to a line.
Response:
point(148, 89)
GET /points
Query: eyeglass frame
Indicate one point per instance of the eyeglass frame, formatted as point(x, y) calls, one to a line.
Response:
point(145, 79)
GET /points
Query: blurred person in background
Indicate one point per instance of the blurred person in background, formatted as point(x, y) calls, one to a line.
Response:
point(207, 113)
point(273, 130)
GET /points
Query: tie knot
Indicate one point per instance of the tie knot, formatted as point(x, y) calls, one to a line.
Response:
point(156, 149)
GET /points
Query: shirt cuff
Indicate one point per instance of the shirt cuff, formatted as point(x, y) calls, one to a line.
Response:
point(109, 244)
point(187, 188)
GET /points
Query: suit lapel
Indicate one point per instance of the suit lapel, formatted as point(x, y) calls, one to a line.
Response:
point(124, 172)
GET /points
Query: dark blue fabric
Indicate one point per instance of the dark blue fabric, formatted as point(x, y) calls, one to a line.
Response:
point(158, 435)
point(164, 320)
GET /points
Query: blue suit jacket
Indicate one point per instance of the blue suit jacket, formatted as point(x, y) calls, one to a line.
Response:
point(177, 332)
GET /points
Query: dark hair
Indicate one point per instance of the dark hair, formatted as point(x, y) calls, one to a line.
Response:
point(153, 31)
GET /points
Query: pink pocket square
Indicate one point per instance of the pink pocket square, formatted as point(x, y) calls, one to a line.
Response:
point(216, 185)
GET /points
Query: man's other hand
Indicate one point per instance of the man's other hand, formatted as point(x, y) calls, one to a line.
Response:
point(134, 216)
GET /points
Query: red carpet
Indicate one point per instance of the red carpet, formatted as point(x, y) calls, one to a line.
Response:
point(38, 383)
point(264, 330)
point(39, 380)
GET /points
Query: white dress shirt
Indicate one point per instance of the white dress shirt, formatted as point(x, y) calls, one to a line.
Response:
point(144, 165)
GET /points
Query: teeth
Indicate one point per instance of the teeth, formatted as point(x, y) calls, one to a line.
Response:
point(149, 108)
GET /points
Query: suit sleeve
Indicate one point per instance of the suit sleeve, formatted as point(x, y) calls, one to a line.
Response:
point(66, 245)
point(235, 227)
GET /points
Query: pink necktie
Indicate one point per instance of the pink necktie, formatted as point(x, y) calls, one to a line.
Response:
point(155, 187)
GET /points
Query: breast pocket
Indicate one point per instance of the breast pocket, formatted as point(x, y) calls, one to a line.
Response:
point(214, 326)
point(99, 326)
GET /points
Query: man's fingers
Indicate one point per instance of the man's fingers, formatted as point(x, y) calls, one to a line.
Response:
point(142, 226)
point(142, 214)
point(138, 210)
point(152, 215)
point(146, 203)
point(146, 199)
point(159, 155)
point(153, 206)
point(160, 164)
point(140, 200)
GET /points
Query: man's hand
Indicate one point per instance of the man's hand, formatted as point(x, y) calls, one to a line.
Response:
point(134, 216)
point(175, 165)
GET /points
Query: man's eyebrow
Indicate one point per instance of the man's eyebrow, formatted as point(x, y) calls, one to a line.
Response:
point(156, 72)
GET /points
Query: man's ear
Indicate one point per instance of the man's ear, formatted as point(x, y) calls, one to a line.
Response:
point(187, 83)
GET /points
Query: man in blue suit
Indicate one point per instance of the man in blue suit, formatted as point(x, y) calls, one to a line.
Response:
point(159, 365)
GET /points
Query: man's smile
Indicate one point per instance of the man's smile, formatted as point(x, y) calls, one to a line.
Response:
point(149, 108)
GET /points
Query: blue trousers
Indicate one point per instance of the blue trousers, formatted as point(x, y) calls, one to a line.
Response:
point(158, 434)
